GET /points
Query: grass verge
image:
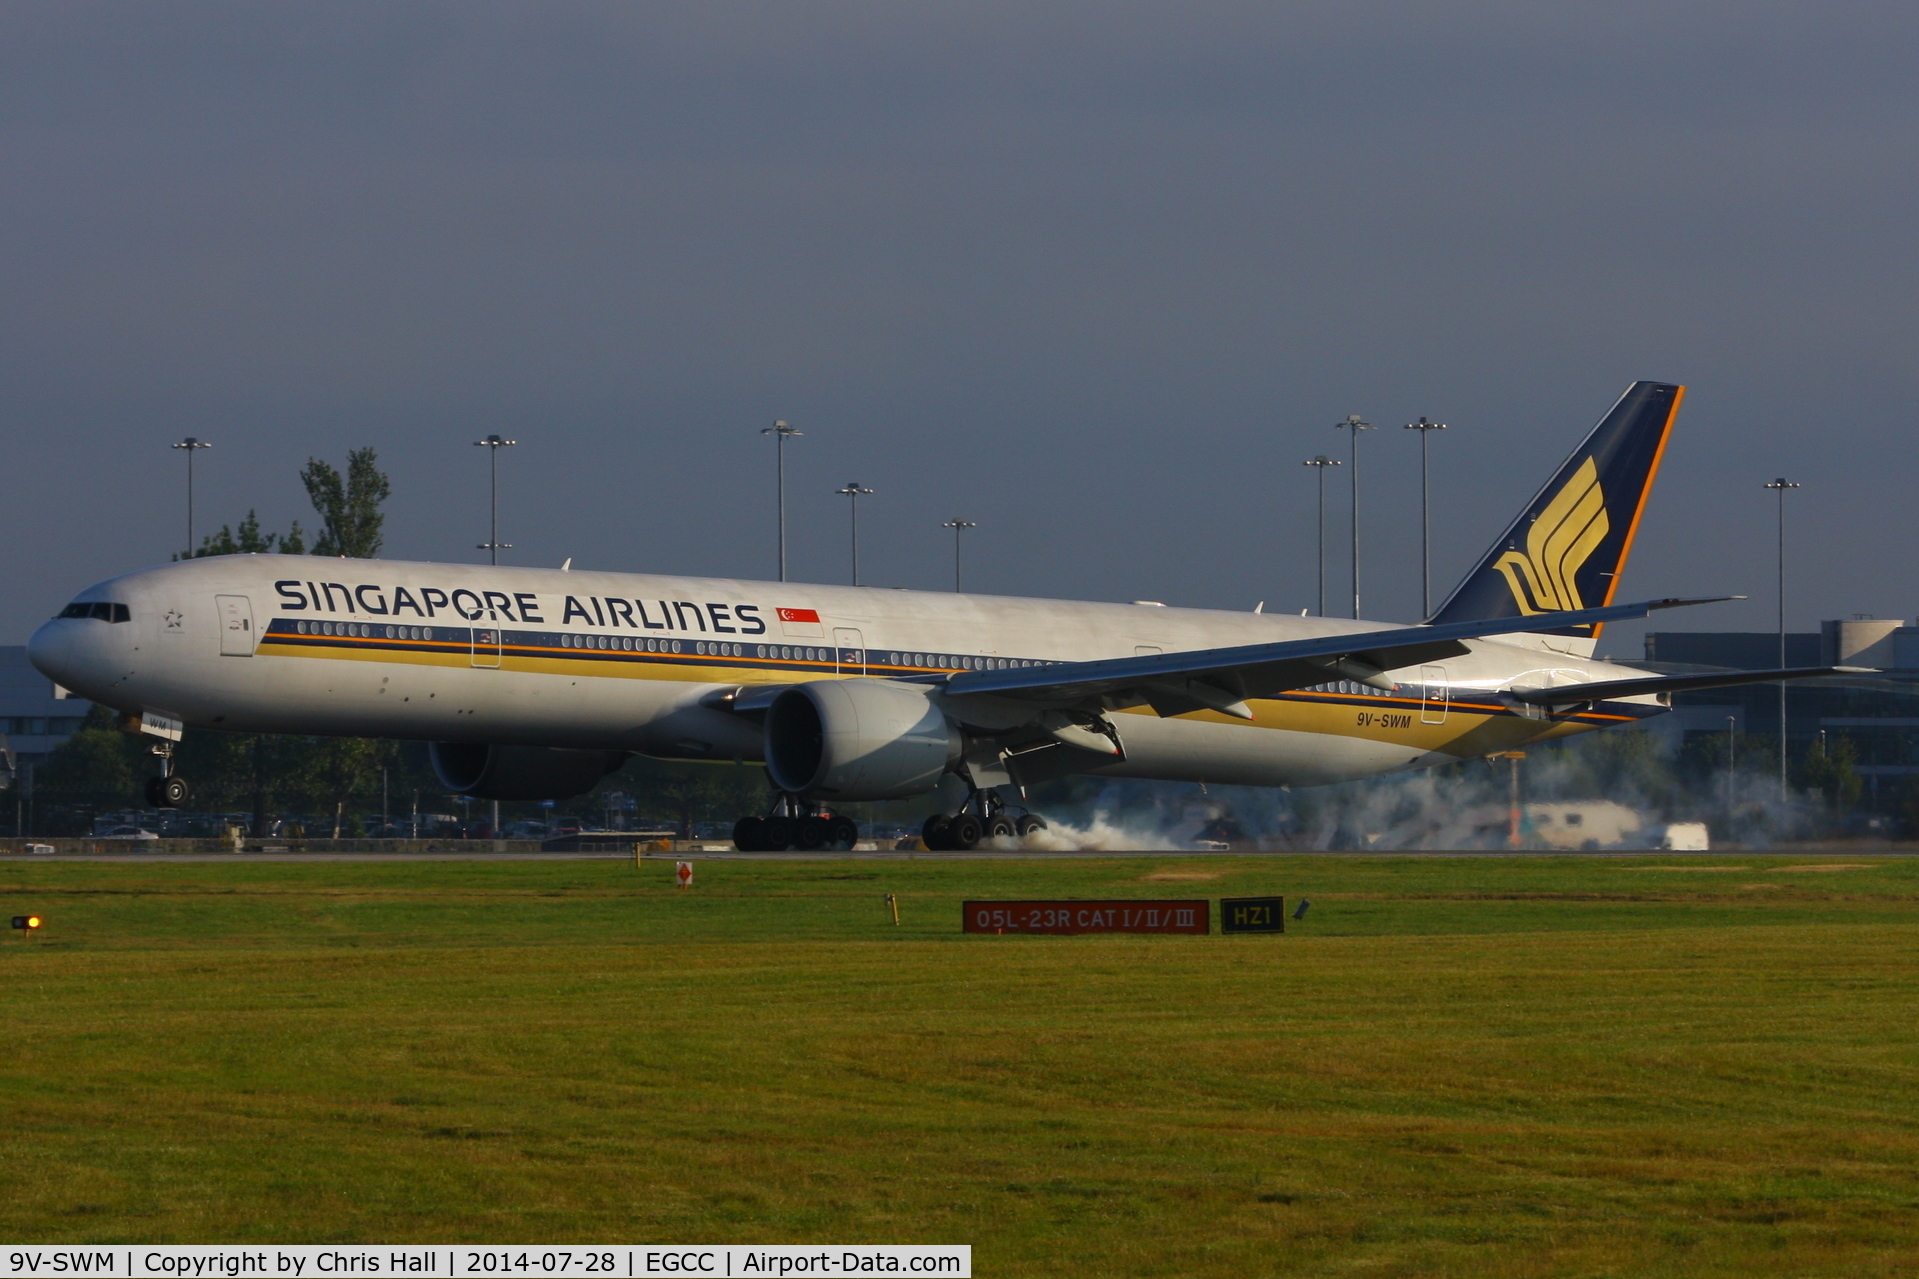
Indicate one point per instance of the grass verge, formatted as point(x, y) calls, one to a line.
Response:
point(1503, 1067)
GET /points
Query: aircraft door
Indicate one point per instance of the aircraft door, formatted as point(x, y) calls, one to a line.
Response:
point(1433, 698)
point(849, 649)
point(486, 647)
point(236, 625)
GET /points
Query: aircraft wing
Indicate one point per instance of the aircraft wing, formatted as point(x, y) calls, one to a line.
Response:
point(1221, 679)
point(1608, 690)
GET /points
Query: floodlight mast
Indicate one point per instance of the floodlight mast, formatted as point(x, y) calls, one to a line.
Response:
point(1779, 486)
point(493, 444)
point(780, 431)
point(853, 493)
point(192, 446)
point(1425, 427)
point(958, 526)
point(1355, 425)
point(493, 546)
point(1319, 465)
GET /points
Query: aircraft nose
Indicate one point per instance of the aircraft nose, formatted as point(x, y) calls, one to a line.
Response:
point(50, 651)
point(59, 650)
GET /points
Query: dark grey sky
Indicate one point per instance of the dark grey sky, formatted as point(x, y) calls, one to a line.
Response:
point(1097, 276)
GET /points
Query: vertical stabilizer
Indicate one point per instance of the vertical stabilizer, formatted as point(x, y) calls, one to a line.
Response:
point(1568, 547)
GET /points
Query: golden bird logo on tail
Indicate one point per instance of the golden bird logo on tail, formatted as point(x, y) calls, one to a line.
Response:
point(1544, 578)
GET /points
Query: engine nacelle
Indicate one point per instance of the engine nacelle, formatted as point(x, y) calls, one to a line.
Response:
point(520, 772)
point(858, 739)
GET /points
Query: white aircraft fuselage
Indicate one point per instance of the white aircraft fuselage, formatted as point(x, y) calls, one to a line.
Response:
point(646, 663)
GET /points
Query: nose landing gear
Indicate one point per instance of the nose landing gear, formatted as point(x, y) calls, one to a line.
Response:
point(798, 824)
point(169, 789)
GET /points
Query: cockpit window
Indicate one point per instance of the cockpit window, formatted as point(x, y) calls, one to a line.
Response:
point(99, 610)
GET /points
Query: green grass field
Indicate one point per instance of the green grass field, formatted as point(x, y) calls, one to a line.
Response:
point(1453, 1066)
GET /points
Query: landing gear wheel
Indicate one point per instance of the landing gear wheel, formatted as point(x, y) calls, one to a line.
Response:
point(842, 833)
point(1028, 823)
point(812, 833)
point(963, 833)
point(168, 792)
point(933, 833)
point(776, 834)
point(999, 826)
point(748, 834)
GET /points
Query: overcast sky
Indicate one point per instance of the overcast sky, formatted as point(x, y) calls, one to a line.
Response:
point(1097, 276)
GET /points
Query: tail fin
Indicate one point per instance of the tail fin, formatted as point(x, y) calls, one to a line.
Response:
point(1568, 548)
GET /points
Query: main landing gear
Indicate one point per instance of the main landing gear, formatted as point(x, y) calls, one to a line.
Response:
point(798, 824)
point(169, 789)
point(982, 817)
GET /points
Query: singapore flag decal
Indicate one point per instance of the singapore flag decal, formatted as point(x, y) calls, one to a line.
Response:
point(801, 623)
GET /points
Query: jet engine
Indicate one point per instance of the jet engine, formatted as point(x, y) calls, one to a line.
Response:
point(858, 739)
point(520, 772)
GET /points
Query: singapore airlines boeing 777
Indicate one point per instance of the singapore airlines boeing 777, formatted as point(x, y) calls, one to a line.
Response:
point(535, 683)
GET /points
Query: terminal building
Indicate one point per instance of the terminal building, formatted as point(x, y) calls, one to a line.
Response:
point(1879, 713)
point(36, 715)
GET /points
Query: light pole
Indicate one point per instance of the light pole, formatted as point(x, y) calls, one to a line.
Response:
point(1425, 429)
point(958, 526)
point(780, 431)
point(1731, 720)
point(1319, 465)
point(1780, 486)
point(192, 446)
point(853, 493)
point(1515, 821)
point(493, 444)
point(1355, 425)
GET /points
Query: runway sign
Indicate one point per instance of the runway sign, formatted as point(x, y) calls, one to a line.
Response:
point(1252, 914)
point(1123, 916)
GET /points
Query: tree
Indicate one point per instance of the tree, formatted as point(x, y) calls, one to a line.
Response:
point(350, 510)
point(97, 768)
point(247, 771)
point(1909, 804)
point(1834, 772)
point(691, 792)
point(343, 768)
point(248, 540)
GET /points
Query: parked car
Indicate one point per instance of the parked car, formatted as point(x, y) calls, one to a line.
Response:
point(129, 833)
